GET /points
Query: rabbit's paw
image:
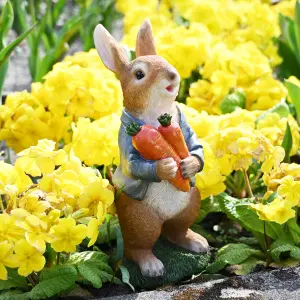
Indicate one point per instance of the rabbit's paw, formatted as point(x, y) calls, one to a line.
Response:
point(152, 267)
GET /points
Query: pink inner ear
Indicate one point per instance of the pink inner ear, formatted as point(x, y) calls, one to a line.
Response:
point(102, 42)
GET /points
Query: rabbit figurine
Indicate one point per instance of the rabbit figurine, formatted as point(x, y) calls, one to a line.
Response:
point(149, 206)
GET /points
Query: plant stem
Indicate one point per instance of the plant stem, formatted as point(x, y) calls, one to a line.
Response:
point(30, 279)
point(267, 241)
point(68, 256)
point(57, 258)
point(8, 160)
point(2, 205)
point(247, 182)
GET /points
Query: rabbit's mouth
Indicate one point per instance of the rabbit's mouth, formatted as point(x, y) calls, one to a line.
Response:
point(170, 88)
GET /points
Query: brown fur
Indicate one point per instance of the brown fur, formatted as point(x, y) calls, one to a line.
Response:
point(141, 227)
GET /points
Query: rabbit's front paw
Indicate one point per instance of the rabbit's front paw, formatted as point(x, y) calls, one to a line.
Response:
point(166, 168)
point(190, 166)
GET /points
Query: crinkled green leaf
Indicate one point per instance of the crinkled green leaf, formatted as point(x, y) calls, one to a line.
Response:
point(238, 209)
point(77, 257)
point(247, 266)
point(14, 280)
point(232, 101)
point(297, 26)
point(294, 230)
point(284, 245)
point(232, 254)
point(14, 295)
point(208, 205)
point(54, 281)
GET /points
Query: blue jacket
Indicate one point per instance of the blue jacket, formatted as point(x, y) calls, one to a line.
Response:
point(134, 173)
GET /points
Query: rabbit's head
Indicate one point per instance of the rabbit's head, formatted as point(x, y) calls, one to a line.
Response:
point(149, 82)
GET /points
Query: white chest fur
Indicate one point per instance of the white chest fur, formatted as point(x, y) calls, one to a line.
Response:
point(166, 200)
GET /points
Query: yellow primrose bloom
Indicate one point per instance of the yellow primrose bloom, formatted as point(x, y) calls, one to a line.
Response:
point(7, 259)
point(92, 231)
point(32, 204)
point(277, 211)
point(41, 159)
point(95, 193)
point(35, 232)
point(290, 190)
point(29, 258)
point(273, 159)
point(67, 235)
point(9, 231)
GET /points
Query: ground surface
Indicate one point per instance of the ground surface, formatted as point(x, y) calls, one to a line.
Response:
point(274, 285)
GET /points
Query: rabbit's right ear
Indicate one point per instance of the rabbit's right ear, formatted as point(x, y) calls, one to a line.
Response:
point(111, 53)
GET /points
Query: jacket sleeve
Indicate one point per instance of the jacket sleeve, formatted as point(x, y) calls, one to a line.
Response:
point(192, 141)
point(137, 166)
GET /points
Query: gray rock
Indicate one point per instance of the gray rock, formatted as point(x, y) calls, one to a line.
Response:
point(281, 284)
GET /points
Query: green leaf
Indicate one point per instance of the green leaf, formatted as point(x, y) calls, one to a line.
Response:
point(294, 230)
point(297, 26)
point(232, 254)
point(281, 108)
point(237, 209)
point(54, 281)
point(6, 52)
point(120, 244)
point(6, 21)
point(208, 205)
point(288, 35)
point(95, 272)
point(3, 72)
point(287, 143)
point(79, 257)
point(232, 101)
point(247, 266)
point(126, 276)
point(14, 295)
point(14, 280)
point(294, 93)
point(284, 246)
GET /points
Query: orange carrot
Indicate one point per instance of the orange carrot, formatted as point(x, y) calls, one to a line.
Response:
point(151, 145)
point(172, 133)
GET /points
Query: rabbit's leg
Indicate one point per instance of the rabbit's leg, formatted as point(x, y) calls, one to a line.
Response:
point(141, 228)
point(177, 229)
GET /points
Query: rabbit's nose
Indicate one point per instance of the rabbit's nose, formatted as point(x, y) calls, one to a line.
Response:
point(172, 75)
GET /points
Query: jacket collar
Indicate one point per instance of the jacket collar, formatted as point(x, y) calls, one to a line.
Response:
point(127, 118)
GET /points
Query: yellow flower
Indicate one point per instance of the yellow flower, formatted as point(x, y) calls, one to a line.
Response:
point(9, 231)
point(290, 190)
point(35, 232)
point(29, 258)
point(273, 159)
point(67, 235)
point(92, 231)
point(277, 211)
point(32, 204)
point(41, 159)
point(95, 193)
point(7, 259)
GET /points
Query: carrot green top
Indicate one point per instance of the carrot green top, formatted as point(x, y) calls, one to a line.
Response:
point(133, 129)
point(165, 120)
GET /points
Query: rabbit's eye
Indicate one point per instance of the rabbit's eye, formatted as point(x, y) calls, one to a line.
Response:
point(139, 75)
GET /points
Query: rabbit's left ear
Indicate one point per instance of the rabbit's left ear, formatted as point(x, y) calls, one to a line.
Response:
point(145, 44)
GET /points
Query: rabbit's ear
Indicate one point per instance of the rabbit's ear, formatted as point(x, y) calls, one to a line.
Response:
point(145, 44)
point(111, 53)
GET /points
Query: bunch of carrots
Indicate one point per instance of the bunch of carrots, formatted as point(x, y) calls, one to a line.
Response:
point(164, 142)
